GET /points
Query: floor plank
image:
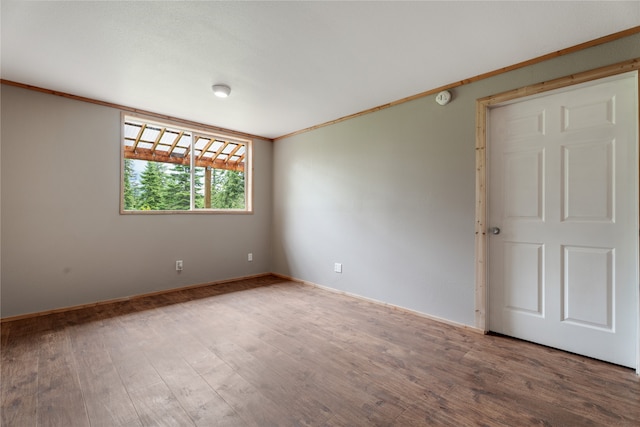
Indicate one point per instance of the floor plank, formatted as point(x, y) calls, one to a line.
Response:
point(269, 352)
point(106, 399)
point(19, 385)
point(60, 397)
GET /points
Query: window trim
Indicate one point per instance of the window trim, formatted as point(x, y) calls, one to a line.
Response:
point(195, 129)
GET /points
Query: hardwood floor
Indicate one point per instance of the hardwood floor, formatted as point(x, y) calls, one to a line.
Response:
point(267, 352)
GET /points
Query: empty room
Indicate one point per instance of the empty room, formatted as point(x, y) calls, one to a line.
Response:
point(302, 213)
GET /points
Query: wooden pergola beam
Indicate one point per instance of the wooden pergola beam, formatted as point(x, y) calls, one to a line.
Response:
point(230, 155)
point(207, 188)
point(157, 141)
point(175, 141)
point(217, 153)
point(140, 132)
point(164, 157)
point(206, 147)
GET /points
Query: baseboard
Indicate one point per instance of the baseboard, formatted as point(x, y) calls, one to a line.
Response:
point(237, 279)
point(386, 304)
point(129, 298)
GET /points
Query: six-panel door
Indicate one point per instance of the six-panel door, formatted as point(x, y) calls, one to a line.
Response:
point(563, 189)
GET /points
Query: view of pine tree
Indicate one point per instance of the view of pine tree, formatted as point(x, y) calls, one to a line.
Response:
point(199, 191)
point(162, 186)
point(152, 189)
point(129, 185)
point(227, 189)
point(177, 191)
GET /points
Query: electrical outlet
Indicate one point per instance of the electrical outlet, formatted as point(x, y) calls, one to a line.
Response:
point(179, 265)
point(337, 267)
point(250, 257)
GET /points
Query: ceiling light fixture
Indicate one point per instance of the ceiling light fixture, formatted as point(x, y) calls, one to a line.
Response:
point(221, 91)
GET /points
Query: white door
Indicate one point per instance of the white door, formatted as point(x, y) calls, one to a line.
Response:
point(563, 191)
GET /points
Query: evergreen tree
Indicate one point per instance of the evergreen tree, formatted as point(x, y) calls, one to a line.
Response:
point(160, 188)
point(152, 190)
point(177, 195)
point(235, 189)
point(227, 190)
point(129, 185)
point(198, 184)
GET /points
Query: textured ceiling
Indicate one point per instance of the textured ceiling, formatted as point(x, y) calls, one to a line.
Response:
point(291, 65)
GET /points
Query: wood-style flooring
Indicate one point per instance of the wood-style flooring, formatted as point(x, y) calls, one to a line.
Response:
point(268, 352)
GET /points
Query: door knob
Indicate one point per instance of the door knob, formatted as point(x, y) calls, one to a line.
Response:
point(494, 230)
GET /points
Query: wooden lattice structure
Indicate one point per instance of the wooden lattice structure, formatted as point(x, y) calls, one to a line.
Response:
point(159, 143)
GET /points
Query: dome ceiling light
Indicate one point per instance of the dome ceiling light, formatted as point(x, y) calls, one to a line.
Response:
point(221, 91)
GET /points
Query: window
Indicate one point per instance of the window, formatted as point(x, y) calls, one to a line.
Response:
point(157, 172)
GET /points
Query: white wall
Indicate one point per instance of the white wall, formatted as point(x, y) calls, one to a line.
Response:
point(63, 240)
point(391, 195)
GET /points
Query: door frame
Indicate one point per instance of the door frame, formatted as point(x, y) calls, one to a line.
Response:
point(482, 107)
